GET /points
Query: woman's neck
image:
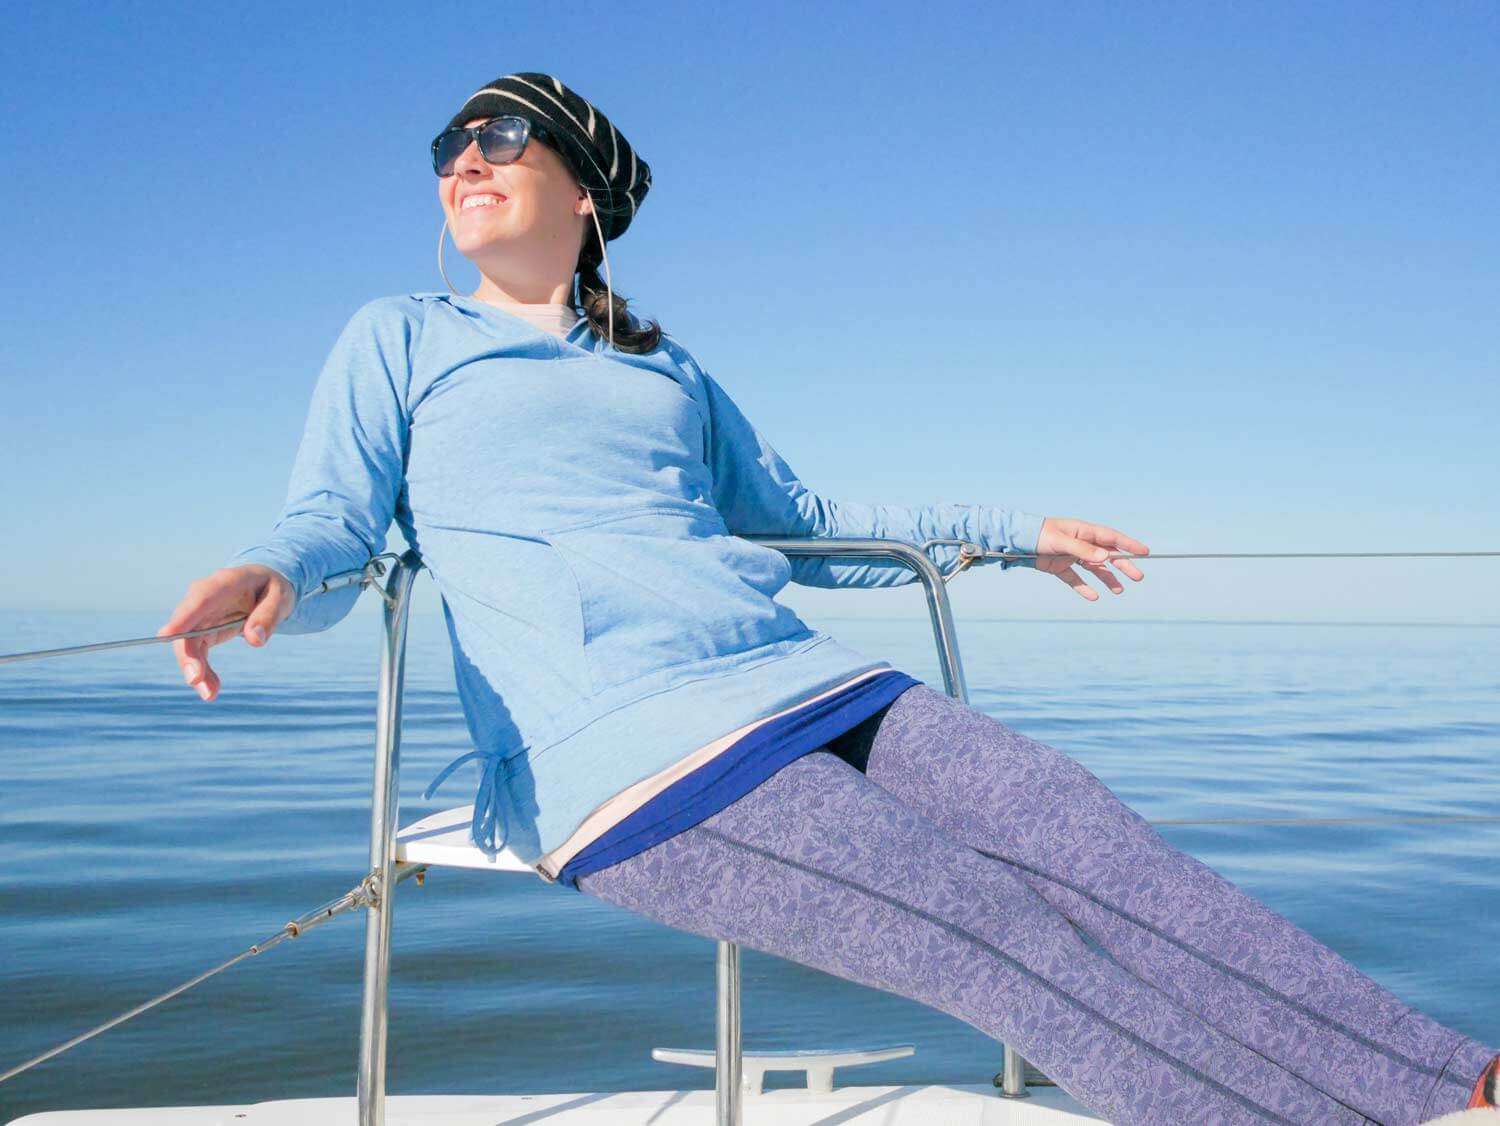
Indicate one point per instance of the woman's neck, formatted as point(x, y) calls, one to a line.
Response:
point(555, 317)
point(535, 297)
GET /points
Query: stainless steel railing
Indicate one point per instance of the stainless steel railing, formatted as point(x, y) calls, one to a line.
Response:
point(385, 809)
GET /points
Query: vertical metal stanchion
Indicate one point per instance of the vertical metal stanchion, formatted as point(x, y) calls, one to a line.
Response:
point(728, 1066)
point(1013, 1075)
point(384, 807)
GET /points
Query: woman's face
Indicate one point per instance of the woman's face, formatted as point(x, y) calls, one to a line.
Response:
point(525, 224)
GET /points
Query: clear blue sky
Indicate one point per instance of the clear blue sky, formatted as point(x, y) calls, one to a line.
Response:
point(1225, 276)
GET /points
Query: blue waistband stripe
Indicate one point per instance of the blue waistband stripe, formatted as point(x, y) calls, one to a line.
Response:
point(738, 770)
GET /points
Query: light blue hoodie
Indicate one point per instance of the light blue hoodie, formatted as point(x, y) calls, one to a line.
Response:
point(580, 510)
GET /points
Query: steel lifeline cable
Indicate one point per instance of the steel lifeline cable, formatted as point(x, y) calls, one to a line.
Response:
point(968, 554)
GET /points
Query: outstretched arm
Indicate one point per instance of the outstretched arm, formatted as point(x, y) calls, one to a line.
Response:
point(758, 495)
point(349, 468)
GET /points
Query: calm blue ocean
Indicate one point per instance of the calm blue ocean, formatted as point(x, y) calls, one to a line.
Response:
point(148, 835)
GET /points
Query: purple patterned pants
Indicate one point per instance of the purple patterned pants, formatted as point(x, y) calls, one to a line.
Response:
point(935, 853)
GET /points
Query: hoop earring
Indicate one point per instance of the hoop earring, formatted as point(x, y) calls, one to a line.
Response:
point(443, 234)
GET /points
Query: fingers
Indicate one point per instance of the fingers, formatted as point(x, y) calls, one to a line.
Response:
point(1090, 547)
point(1075, 580)
point(1106, 576)
point(1060, 532)
point(202, 678)
point(1111, 537)
point(192, 658)
point(189, 651)
point(274, 605)
point(1087, 552)
point(1100, 571)
point(208, 601)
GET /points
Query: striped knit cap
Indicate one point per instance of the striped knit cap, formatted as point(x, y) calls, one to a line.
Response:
point(616, 178)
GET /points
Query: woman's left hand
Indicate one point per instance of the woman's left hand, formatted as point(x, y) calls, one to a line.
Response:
point(1088, 546)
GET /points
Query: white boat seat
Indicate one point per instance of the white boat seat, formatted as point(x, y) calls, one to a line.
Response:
point(442, 840)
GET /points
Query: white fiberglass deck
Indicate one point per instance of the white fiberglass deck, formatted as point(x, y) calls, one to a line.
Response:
point(964, 1105)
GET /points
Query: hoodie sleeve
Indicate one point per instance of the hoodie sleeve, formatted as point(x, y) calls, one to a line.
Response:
point(758, 495)
point(349, 469)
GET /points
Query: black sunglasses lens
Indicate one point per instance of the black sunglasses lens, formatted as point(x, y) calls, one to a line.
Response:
point(501, 140)
point(446, 150)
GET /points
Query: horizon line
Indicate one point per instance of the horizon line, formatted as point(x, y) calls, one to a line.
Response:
point(957, 618)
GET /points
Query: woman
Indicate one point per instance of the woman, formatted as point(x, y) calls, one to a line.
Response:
point(654, 729)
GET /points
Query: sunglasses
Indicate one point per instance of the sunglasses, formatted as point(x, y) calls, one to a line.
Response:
point(501, 140)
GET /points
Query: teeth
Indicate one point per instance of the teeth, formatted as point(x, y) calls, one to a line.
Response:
point(480, 201)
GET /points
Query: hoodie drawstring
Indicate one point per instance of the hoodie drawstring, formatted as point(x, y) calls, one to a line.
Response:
point(487, 801)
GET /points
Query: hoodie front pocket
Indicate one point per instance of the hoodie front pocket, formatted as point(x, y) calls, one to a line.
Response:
point(520, 600)
point(665, 588)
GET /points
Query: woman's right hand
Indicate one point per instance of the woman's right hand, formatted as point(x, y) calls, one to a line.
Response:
point(265, 595)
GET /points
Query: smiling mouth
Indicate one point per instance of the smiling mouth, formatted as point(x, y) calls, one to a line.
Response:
point(490, 203)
